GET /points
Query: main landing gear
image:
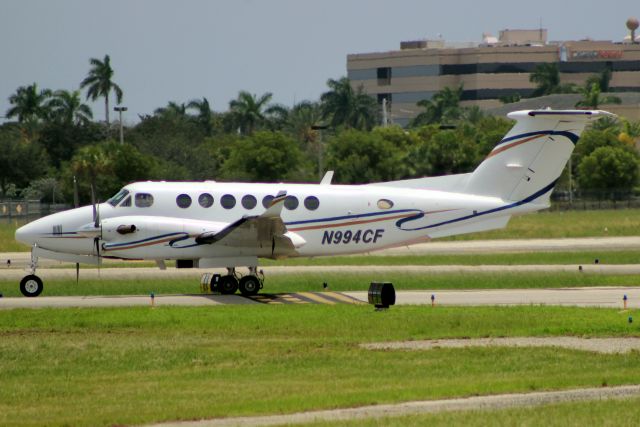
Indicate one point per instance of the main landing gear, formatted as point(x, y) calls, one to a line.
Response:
point(31, 285)
point(228, 284)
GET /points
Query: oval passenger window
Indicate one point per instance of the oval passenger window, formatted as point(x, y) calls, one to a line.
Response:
point(266, 202)
point(385, 204)
point(228, 201)
point(205, 200)
point(249, 202)
point(291, 202)
point(311, 203)
point(183, 201)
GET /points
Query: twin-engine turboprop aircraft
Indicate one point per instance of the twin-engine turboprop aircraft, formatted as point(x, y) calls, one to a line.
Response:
point(210, 224)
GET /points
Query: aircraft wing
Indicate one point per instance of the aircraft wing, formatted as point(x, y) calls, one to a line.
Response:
point(266, 233)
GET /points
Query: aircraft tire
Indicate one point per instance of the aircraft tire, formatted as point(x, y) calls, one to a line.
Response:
point(228, 285)
point(31, 286)
point(249, 285)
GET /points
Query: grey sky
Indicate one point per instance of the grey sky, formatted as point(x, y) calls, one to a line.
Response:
point(179, 50)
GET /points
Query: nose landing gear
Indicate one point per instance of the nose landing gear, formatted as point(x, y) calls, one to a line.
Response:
point(31, 285)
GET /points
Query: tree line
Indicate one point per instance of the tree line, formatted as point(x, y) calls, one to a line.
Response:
point(53, 141)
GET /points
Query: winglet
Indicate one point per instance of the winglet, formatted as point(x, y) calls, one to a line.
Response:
point(275, 207)
point(326, 179)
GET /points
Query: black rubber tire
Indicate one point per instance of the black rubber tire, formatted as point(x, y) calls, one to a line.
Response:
point(228, 285)
point(249, 285)
point(31, 286)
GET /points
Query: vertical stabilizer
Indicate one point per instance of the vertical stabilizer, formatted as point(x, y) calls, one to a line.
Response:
point(530, 158)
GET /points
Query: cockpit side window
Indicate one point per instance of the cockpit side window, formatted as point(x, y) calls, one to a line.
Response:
point(118, 197)
point(144, 200)
point(126, 203)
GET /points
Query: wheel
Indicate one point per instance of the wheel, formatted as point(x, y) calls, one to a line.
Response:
point(228, 285)
point(31, 286)
point(249, 285)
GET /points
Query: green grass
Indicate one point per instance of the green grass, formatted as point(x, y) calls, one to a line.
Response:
point(623, 412)
point(556, 224)
point(8, 241)
point(619, 222)
point(139, 365)
point(520, 258)
point(337, 282)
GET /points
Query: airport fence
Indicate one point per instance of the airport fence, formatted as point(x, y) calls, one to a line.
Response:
point(594, 200)
point(28, 210)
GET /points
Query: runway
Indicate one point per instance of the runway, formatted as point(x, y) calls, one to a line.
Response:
point(21, 259)
point(611, 297)
point(114, 273)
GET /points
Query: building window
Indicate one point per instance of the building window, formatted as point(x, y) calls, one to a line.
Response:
point(384, 76)
point(291, 202)
point(183, 201)
point(249, 202)
point(205, 200)
point(144, 200)
point(385, 204)
point(383, 96)
point(228, 201)
point(311, 203)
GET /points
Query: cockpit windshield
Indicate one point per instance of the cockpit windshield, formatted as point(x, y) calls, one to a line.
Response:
point(118, 197)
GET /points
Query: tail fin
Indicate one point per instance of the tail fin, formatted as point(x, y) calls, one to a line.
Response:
point(530, 158)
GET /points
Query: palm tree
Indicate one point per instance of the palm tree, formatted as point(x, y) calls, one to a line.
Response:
point(99, 83)
point(29, 104)
point(173, 110)
point(443, 106)
point(547, 78)
point(249, 111)
point(302, 121)
point(67, 107)
point(591, 97)
point(343, 106)
point(602, 79)
point(204, 113)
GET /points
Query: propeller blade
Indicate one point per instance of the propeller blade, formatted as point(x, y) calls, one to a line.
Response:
point(76, 199)
point(93, 202)
point(77, 272)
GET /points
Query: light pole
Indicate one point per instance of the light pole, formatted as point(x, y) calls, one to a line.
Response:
point(120, 109)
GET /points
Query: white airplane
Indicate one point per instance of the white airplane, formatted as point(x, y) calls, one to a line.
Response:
point(212, 224)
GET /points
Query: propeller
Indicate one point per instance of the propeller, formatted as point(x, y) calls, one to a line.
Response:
point(96, 221)
point(76, 203)
point(76, 200)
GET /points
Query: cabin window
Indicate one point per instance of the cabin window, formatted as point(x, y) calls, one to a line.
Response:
point(291, 202)
point(385, 204)
point(311, 203)
point(183, 201)
point(205, 200)
point(228, 201)
point(126, 203)
point(249, 202)
point(118, 197)
point(266, 202)
point(144, 200)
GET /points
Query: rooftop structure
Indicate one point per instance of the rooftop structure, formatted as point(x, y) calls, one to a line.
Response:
point(488, 70)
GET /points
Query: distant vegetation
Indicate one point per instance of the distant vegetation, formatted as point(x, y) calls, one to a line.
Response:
point(53, 136)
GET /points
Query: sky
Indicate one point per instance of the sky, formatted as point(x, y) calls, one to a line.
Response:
point(165, 51)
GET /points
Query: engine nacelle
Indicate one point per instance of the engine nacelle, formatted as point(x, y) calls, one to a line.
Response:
point(135, 228)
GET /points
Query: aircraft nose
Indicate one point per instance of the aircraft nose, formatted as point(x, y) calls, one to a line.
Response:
point(26, 234)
